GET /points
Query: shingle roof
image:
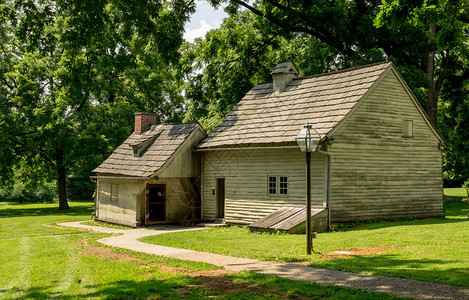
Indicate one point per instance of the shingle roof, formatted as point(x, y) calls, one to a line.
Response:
point(166, 140)
point(265, 117)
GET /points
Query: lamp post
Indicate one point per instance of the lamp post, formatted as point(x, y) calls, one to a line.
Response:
point(308, 140)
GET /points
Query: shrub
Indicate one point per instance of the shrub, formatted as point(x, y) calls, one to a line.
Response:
point(19, 192)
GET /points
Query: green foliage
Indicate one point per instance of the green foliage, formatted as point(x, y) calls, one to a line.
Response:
point(454, 126)
point(224, 66)
point(71, 76)
point(426, 40)
point(19, 192)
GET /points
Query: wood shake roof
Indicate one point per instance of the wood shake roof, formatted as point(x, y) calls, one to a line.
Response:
point(266, 117)
point(164, 140)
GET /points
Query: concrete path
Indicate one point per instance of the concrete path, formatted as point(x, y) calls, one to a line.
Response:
point(390, 285)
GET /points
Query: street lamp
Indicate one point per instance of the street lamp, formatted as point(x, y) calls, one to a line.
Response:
point(308, 140)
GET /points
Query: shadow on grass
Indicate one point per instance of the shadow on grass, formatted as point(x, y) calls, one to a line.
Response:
point(123, 289)
point(392, 265)
point(17, 211)
point(299, 289)
point(456, 211)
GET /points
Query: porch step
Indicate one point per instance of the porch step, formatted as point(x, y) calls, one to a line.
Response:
point(216, 223)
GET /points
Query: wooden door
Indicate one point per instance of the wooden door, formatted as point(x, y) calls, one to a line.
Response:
point(220, 197)
point(157, 202)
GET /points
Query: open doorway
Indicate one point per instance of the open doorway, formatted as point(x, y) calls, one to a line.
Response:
point(157, 203)
point(220, 197)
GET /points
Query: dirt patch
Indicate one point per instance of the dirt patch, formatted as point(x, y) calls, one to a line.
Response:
point(360, 252)
point(104, 252)
point(211, 280)
point(215, 281)
point(61, 227)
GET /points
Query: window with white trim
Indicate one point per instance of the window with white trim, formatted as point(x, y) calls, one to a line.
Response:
point(277, 185)
point(272, 185)
point(283, 188)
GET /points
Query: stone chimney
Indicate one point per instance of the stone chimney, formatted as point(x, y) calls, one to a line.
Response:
point(143, 121)
point(282, 75)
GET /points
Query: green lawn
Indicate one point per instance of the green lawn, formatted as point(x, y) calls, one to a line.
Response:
point(40, 262)
point(434, 250)
point(26, 219)
point(456, 192)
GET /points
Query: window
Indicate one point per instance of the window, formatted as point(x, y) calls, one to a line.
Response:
point(283, 186)
point(278, 185)
point(136, 154)
point(407, 129)
point(272, 185)
point(114, 192)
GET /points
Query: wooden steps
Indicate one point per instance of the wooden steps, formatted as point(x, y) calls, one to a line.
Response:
point(291, 219)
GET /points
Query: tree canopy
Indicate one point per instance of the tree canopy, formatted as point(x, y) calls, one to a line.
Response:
point(427, 41)
point(73, 72)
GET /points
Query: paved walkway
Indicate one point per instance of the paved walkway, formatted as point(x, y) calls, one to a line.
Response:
point(391, 285)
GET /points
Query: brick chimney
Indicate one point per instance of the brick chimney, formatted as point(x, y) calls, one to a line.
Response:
point(143, 121)
point(282, 75)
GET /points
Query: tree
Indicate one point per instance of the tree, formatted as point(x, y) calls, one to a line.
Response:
point(442, 25)
point(73, 72)
point(423, 37)
point(454, 125)
point(220, 69)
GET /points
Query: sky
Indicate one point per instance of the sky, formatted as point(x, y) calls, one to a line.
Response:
point(204, 19)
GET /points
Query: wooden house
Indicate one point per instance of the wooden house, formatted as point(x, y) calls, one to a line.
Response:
point(152, 177)
point(379, 158)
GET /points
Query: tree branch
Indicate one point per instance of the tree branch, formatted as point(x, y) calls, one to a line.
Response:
point(47, 158)
point(324, 37)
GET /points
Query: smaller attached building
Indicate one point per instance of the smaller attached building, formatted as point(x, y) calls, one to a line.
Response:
point(153, 177)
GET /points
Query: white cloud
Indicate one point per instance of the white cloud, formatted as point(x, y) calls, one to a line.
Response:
point(191, 33)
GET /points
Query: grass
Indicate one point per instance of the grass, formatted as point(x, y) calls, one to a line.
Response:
point(295, 289)
point(21, 220)
point(41, 262)
point(455, 192)
point(435, 250)
point(107, 225)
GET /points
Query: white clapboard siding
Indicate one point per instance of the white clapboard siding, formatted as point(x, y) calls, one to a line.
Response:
point(246, 178)
point(377, 173)
point(116, 201)
point(128, 206)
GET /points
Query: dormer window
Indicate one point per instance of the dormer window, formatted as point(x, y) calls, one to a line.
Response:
point(141, 145)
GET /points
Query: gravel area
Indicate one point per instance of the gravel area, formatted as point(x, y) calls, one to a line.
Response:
point(391, 285)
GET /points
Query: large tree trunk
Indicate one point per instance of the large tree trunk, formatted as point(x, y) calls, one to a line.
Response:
point(432, 105)
point(433, 91)
point(61, 181)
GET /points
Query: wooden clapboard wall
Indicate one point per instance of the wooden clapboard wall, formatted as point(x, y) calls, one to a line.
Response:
point(246, 174)
point(376, 172)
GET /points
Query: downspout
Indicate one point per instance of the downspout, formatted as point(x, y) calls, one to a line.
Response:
point(95, 180)
point(328, 203)
point(202, 187)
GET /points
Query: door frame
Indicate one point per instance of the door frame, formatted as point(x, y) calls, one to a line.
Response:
point(150, 186)
point(220, 196)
